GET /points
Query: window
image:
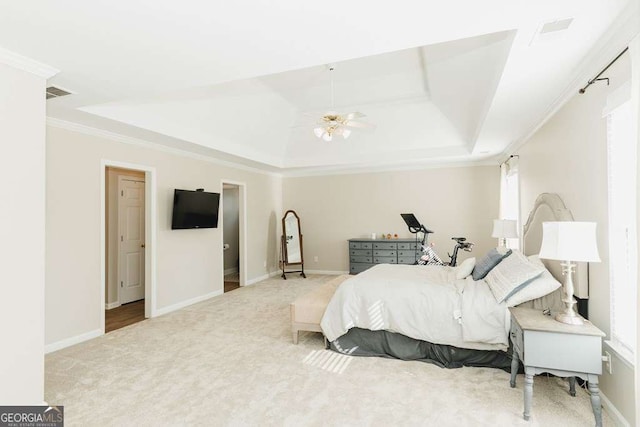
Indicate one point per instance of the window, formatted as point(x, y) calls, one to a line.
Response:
point(622, 167)
point(510, 195)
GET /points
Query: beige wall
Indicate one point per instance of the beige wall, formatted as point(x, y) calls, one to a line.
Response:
point(22, 166)
point(459, 201)
point(111, 180)
point(568, 156)
point(189, 262)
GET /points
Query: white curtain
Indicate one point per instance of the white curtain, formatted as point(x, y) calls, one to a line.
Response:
point(510, 195)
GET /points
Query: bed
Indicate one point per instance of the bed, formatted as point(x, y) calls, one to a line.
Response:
point(442, 315)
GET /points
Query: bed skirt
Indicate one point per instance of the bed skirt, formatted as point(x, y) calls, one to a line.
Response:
point(363, 342)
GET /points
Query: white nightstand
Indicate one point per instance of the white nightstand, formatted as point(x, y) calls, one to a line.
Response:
point(546, 345)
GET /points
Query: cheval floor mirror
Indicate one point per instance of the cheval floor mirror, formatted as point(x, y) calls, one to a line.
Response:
point(291, 244)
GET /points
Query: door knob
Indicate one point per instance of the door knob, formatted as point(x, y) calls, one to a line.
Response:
point(142, 245)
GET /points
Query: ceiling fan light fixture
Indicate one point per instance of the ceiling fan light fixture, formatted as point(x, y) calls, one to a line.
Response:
point(333, 122)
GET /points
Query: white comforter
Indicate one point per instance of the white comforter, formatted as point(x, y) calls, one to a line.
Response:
point(421, 302)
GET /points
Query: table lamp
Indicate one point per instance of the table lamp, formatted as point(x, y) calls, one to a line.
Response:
point(504, 229)
point(569, 241)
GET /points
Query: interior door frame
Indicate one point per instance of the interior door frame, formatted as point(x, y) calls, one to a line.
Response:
point(150, 227)
point(242, 227)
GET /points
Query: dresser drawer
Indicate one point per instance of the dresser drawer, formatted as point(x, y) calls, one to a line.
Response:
point(360, 252)
point(359, 268)
point(570, 352)
point(366, 259)
point(407, 259)
point(384, 252)
point(408, 246)
point(385, 245)
point(385, 260)
point(360, 245)
point(405, 253)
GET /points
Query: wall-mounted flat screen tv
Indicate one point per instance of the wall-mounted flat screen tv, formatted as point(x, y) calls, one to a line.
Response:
point(194, 209)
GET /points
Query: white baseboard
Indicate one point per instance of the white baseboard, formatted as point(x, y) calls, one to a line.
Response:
point(182, 304)
point(327, 272)
point(231, 270)
point(68, 342)
point(279, 272)
point(112, 305)
point(613, 412)
point(261, 278)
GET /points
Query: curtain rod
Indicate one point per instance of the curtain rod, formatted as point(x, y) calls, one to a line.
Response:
point(509, 158)
point(597, 78)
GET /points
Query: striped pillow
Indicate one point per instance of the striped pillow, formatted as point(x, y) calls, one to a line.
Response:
point(511, 275)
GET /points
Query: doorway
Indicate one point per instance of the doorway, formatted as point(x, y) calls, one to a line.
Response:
point(231, 236)
point(233, 232)
point(125, 226)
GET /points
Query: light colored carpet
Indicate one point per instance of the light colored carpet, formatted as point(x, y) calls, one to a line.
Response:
point(230, 361)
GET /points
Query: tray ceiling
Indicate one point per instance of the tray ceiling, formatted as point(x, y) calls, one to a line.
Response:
point(244, 82)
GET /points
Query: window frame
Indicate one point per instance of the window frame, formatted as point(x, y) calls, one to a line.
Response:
point(622, 168)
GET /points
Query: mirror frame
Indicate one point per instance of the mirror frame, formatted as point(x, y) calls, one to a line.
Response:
point(285, 255)
point(283, 247)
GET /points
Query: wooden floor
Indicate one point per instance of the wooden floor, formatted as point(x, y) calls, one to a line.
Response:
point(229, 286)
point(124, 315)
point(231, 281)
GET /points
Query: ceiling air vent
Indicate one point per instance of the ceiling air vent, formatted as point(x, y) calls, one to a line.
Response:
point(56, 92)
point(551, 31)
point(553, 26)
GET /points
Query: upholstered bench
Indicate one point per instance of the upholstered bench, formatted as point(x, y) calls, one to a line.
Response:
point(307, 310)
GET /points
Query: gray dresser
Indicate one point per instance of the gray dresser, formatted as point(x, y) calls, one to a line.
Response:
point(365, 253)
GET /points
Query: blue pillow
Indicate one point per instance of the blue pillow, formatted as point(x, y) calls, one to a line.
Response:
point(486, 263)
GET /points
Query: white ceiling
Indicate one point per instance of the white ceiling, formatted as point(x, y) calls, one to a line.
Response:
point(243, 81)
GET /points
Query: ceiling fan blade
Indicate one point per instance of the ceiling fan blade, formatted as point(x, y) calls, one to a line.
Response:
point(358, 125)
point(354, 115)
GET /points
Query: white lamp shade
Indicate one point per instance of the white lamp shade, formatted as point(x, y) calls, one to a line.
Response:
point(505, 228)
point(569, 241)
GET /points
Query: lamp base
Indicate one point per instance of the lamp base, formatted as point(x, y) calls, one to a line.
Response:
point(569, 315)
point(569, 318)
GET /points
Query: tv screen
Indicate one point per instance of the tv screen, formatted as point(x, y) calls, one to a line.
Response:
point(194, 209)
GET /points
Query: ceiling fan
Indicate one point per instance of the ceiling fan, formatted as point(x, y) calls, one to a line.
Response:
point(333, 123)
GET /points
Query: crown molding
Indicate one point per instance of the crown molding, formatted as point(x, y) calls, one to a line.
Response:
point(361, 169)
point(27, 64)
point(308, 171)
point(116, 137)
point(621, 32)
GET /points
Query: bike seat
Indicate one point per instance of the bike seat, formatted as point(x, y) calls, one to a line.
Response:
point(459, 239)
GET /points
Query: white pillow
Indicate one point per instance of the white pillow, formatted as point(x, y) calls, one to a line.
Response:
point(508, 277)
point(538, 287)
point(535, 259)
point(465, 268)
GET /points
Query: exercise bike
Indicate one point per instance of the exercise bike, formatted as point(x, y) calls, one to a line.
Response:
point(461, 243)
point(430, 257)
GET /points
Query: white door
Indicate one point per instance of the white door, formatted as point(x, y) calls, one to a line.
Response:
point(132, 243)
